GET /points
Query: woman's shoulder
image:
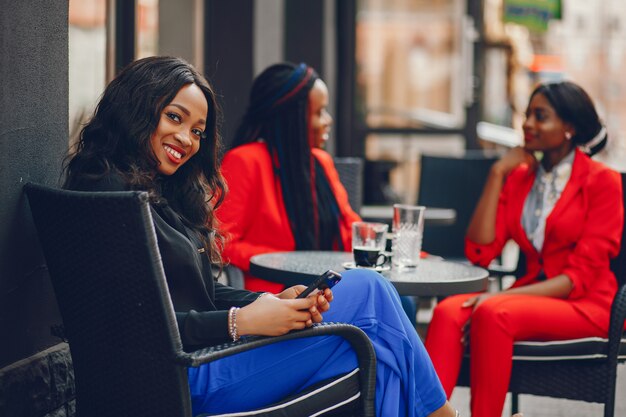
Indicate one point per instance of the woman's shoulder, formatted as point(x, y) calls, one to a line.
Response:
point(111, 181)
point(322, 155)
point(255, 153)
point(324, 158)
point(253, 148)
point(596, 170)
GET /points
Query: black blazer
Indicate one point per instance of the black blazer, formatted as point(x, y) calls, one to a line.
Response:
point(201, 303)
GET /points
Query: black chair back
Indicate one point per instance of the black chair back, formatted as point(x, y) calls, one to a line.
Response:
point(350, 171)
point(112, 295)
point(618, 265)
point(454, 182)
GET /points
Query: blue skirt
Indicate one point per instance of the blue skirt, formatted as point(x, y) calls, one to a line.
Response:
point(406, 383)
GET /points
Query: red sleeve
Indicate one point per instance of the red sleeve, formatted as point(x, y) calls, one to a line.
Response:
point(483, 254)
point(242, 173)
point(600, 240)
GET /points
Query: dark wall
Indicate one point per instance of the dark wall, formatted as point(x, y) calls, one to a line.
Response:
point(304, 33)
point(33, 139)
point(228, 61)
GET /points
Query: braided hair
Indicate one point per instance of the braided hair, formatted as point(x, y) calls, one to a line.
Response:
point(278, 113)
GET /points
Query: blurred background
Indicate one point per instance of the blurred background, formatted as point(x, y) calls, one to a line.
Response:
point(406, 77)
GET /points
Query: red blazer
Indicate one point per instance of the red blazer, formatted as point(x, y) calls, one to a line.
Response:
point(253, 215)
point(583, 233)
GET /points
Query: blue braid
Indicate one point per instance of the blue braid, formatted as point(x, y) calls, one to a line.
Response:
point(293, 80)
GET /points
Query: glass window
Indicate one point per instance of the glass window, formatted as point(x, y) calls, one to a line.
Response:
point(413, 71)
point(393, 164)
point(87, 60)
point(590, 42)
point(585, 46)
point(147, 27)
point(409, 57)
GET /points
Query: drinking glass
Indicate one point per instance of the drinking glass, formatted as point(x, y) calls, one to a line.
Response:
point(408, 229)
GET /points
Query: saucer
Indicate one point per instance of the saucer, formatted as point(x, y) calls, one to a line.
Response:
point(351, 265)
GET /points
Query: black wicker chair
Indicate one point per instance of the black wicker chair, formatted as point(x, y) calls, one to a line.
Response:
point(106, 270)
point(454, 182)
point(581, 369)
point(350, 171)
point(232, 276)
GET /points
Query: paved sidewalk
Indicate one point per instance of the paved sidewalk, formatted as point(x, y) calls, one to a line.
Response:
point(533, 406)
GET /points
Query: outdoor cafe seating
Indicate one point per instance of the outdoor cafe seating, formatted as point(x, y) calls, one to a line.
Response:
point(128, 359)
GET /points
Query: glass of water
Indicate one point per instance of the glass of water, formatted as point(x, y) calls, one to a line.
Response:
point(408, 229)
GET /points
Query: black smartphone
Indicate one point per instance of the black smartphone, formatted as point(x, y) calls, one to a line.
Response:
point(327, 280)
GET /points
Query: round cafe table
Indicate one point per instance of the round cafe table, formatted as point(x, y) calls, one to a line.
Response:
point(432, 277)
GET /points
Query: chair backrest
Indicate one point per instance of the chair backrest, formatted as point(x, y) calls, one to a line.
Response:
point(103, 259)
point(618, 265)
point(350, 171)
point(454, 182)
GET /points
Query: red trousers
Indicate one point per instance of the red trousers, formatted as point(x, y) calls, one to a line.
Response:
point(495, 324)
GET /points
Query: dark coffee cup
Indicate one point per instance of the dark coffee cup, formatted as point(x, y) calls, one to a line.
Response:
point(368, 257)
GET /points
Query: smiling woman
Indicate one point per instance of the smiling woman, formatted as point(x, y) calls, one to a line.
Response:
point(180, 129)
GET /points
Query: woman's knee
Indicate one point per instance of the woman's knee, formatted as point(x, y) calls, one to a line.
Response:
point(493, 311)
point(362, 278)
point(362, 275)
point(451, 310)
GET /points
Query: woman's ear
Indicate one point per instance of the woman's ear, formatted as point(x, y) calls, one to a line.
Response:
point(570, 131)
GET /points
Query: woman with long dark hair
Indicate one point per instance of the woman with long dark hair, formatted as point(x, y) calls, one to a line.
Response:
point(285, 191)
point(565, 212)
point(155, 130)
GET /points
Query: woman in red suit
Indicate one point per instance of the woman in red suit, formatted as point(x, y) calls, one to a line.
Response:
point(284, 190)
point(565, 212)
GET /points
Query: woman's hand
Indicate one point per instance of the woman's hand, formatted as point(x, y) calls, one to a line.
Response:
point(322, 301)
point(272, 316)
point(482, 226)
point(513, 158)
point(291, 292)
point(477, 300)
point(472, 303)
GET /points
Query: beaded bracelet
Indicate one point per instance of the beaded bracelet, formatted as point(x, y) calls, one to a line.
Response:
point(232, 323)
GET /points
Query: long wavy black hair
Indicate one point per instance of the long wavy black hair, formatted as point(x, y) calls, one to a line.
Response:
point(278, 113)
point(574, 106)
point(117, 140)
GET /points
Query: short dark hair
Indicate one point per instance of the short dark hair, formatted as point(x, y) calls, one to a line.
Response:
point(117, 138)
point(574, 106)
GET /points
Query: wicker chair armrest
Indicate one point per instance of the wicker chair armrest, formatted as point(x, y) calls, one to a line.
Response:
point(357, 338)
point(359, 341)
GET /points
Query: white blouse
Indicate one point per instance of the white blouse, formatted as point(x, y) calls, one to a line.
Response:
point(546, 191)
